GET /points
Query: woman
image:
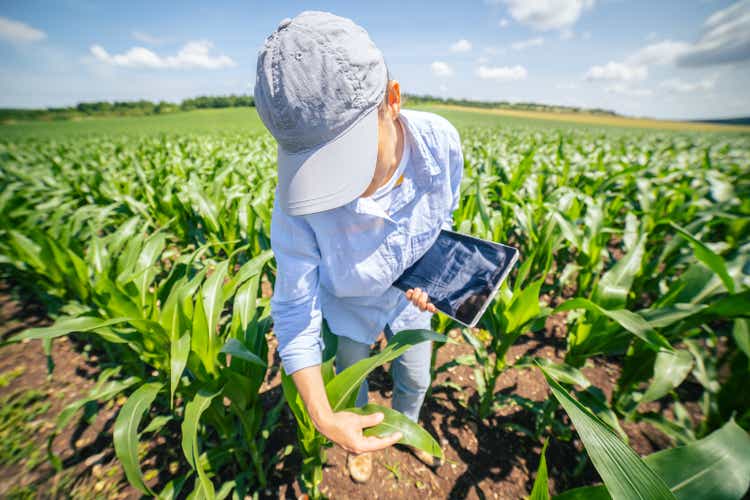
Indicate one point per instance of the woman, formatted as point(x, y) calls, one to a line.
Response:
point(363, 191)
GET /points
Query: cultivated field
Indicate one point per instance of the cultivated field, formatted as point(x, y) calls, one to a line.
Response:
point(139, 356)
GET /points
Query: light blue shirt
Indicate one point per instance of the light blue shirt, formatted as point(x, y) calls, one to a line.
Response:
point(341, 263)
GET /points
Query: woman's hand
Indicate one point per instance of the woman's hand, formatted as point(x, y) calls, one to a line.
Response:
point(420, 299)
point(345, 429)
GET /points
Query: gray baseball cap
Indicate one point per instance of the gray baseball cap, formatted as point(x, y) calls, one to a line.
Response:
point(318, 84)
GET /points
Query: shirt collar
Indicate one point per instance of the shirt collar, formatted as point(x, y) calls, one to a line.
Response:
point(423, 161)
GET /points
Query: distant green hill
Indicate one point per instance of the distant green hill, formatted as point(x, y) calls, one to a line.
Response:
point(146, 108)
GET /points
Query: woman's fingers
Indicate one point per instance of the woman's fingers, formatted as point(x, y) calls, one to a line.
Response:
point(421, 299)
point(374, 443)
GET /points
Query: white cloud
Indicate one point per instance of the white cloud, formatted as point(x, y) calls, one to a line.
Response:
point(462, 45)
point(627, 90)
point(635, 66)
point(147, 38)
point(18, 32)
point(440, 68)
point(503, 23)
point(545, 15)
point(665, 52)
point(502, 73)
point(483, 60)
point(617, 71)
point(192, 55)
point(677, 85)
point(525, 44)
point(726, 38)
point(567, 34)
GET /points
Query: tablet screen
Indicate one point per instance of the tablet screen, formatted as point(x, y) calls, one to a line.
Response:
point(460, 273)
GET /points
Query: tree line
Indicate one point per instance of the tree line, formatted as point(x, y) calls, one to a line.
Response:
point(144, 107)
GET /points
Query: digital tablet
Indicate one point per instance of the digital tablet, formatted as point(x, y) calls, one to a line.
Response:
point(461, 274)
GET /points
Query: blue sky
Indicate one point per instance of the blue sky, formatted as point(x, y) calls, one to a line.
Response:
point(666, 59)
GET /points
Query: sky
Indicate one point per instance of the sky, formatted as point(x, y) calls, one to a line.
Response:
point(680, 59)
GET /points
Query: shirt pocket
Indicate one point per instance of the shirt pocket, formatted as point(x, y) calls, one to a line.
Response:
point(360, 265)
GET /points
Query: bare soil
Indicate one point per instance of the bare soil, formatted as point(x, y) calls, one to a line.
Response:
point(483, 459)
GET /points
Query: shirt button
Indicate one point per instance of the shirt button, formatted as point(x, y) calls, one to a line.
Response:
point(284, 22)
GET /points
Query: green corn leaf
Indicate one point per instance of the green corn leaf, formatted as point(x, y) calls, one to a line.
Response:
point(249, 269)
point(595, 400)
point(199, 339)
point(562, 372)
point(567, 229)
point(629, 320)
point(145, 271)
point(342, 389)
point(172, 489)
point(731, 306)
point(680, 434)
point(178, 358)
point(27, 250)
point(213, 303)
point(524, 307)
point(393, 421)
point(670, 369)
point(327, 370)
point(294, 400)
point(157, 424)
point(235, 348)
point(668, 316)
point(190, 446)
point(125, 434)
point(612, 290)
point(540, 491)
point(736, 305)
point(741, 334)
point(246, 303)
point(590, 395)
point(624, 473)
point(707, 256)
point(65, 326)
point(716, 467)
point(585, 493)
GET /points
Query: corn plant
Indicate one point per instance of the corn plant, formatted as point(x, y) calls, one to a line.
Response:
point(341, 389)
point(184, 355)
point(717, 466)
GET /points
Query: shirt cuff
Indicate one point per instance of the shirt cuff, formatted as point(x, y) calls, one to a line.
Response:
point(302, 357)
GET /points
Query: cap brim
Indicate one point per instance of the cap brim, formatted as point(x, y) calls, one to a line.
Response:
point(332, 174)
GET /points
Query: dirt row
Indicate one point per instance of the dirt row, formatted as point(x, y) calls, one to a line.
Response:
point(484, 459)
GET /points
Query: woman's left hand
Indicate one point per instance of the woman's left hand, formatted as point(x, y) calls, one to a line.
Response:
point(420, 299)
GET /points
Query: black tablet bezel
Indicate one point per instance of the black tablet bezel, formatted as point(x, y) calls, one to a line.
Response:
point(496, 286)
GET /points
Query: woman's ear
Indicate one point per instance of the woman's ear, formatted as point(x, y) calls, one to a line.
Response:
point(394, 97)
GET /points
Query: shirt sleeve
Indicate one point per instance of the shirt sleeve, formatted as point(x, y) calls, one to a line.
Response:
point(456, 160)
point(295, 306)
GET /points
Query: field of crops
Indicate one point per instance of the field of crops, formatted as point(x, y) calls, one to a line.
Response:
point(151, 252)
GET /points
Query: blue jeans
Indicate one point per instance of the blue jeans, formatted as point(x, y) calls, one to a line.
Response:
point(410, 371)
